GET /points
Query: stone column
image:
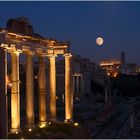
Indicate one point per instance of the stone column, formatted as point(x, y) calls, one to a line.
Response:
point(52, 87)
point(81, 84)
point(68, 89)
point(15, 93)
point(42, 92)
point(29, 91)
point(3, 95)
point(77, 78)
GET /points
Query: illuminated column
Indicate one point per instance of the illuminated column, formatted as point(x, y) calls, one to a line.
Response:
point(15, 93)
point(52, 80)
point(3, 95)
point(29, 91)
point(81, 84)
point(68, 89)
point(77, 78)
point(42, 91)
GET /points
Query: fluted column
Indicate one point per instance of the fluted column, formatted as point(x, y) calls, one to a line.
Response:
point(68, 89)
point(77, 82)
point(3, 95)
point(52, 87)
point(29, 91)
point(42, 92)
point(15, 93)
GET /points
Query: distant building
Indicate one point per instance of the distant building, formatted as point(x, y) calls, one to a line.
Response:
point(123, 58)
point(129, 69)
point(84, 73)
point(111, 66)
point(116, 66)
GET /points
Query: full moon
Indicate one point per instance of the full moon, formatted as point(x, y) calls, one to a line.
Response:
point(99, 41)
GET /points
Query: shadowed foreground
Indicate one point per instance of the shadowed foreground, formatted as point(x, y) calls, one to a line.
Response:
point(52, 131)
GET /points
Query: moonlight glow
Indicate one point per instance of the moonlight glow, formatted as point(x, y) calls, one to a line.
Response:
point(99, 41)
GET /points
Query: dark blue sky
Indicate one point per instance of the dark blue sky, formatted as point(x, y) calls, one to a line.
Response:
point(81, 22)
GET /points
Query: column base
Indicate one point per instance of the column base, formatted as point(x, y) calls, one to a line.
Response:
point(30, 126)
point(53, 120)
point(15, 130)
point(42, 124)
point(68, 121)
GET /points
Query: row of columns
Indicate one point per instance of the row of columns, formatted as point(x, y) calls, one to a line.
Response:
point(15, 93)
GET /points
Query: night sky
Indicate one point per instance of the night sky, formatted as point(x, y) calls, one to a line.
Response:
point(81, 23)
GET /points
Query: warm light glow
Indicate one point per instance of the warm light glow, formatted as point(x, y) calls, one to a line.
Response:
point(49, 122)
point(108, 74)
point(115, 74)
point(76, 124)
point(22, 138)
point(42, 125)
point(77, 98)
point(9, 85)
point(110, 62)
point(36, 77)
point(56, 97)
point(16, 132)
point(99, 41)
point(30, 130)
point(8, 81)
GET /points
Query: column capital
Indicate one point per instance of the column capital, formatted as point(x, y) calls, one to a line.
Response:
point(51, 55)
point(29, 53)
point(13, 50)
point(4, 46)
point(17, 52)
point(26, 50)
point(67, 55)
point(43, 55)
point(39, 52)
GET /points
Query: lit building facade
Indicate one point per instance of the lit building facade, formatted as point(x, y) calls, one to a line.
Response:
point(111, 66)
point(119, 66)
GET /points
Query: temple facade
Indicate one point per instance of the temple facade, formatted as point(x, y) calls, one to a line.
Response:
point(16, 43)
